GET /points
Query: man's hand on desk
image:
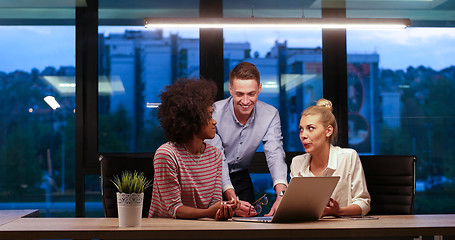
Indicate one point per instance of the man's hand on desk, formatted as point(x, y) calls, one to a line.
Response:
point(245, 210)
point(274, 207)
point(280, 189)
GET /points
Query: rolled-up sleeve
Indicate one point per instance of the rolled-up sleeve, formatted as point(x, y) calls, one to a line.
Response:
point(360, 195)
point(225, 179)
point(274, 152)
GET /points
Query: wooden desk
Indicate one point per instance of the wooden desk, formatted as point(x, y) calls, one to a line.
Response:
point(170, 229)
point(10, 215)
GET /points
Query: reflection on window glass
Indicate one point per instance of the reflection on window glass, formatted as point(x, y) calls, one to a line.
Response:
point(290, 64)
point(361, 70)
point(37, 86)
point(135, 66)
point(401, 104)
point(93, 205)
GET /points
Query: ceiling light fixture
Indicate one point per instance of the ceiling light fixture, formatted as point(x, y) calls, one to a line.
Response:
point(297, 23)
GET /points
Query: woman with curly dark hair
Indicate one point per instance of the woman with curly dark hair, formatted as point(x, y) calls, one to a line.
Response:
point(187, 182)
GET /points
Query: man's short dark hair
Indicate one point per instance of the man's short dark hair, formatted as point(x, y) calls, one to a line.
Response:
point(244, 71)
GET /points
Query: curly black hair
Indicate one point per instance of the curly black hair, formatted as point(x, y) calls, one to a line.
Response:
point(183, 109)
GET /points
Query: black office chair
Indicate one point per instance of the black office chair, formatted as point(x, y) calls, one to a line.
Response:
point(391, 183)
point(115, 164)
point(259, 163)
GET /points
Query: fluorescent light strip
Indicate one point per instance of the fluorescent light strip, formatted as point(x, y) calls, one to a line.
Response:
point(50, 100)
point(297, 23)
point(153, 105)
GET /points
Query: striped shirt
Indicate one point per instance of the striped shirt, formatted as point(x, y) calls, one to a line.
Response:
point(184, 179)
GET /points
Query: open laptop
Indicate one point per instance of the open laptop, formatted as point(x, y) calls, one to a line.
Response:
point(304, 200)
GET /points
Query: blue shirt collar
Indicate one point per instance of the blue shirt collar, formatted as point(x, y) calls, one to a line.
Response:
point(231, 109)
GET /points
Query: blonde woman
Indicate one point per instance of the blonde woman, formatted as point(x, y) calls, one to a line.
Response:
point(318, 129)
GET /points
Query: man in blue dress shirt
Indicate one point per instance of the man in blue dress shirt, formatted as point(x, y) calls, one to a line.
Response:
point(243, 123)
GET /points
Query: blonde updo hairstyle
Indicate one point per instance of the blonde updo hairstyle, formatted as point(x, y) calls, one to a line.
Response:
point(323, 108)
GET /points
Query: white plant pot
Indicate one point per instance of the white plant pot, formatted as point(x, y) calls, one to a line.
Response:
point(129, 206)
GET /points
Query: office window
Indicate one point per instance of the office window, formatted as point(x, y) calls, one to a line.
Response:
point(290, 65)
point(400, 103)
point(93, 204)
point(37, 149)
point(135, 66)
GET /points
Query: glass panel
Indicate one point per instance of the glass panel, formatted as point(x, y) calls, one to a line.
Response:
point(93, 204)
point(401, 104)
point(437, 13)
point(287, 58)
point(272, 9)
point(135, 65)
point(37, 142)
point(133, 12)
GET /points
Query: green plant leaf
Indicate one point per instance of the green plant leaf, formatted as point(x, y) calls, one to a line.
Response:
point(131, 182)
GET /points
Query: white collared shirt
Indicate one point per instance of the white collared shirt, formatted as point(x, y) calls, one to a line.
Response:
point(343, 162)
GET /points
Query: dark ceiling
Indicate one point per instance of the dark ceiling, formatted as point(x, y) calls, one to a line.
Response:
point(431, 13)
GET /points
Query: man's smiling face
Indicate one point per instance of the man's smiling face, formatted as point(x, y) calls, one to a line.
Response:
point(245, 95)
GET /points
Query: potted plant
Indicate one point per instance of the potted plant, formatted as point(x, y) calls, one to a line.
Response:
point(130, 197)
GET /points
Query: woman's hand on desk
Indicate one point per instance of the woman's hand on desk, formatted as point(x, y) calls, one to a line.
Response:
point(225, 209)
point(332, 208)
point(244, 209)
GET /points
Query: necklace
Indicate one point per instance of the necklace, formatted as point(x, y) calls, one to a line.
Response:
point(191, 154)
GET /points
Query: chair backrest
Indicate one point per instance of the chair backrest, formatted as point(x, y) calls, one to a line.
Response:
point(259, 163)
point(391, 183)
point(115, 164)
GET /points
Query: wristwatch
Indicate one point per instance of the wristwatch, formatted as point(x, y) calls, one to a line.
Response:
point(281, 193)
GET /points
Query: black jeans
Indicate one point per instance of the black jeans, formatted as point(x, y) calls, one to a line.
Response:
point(243, 185)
